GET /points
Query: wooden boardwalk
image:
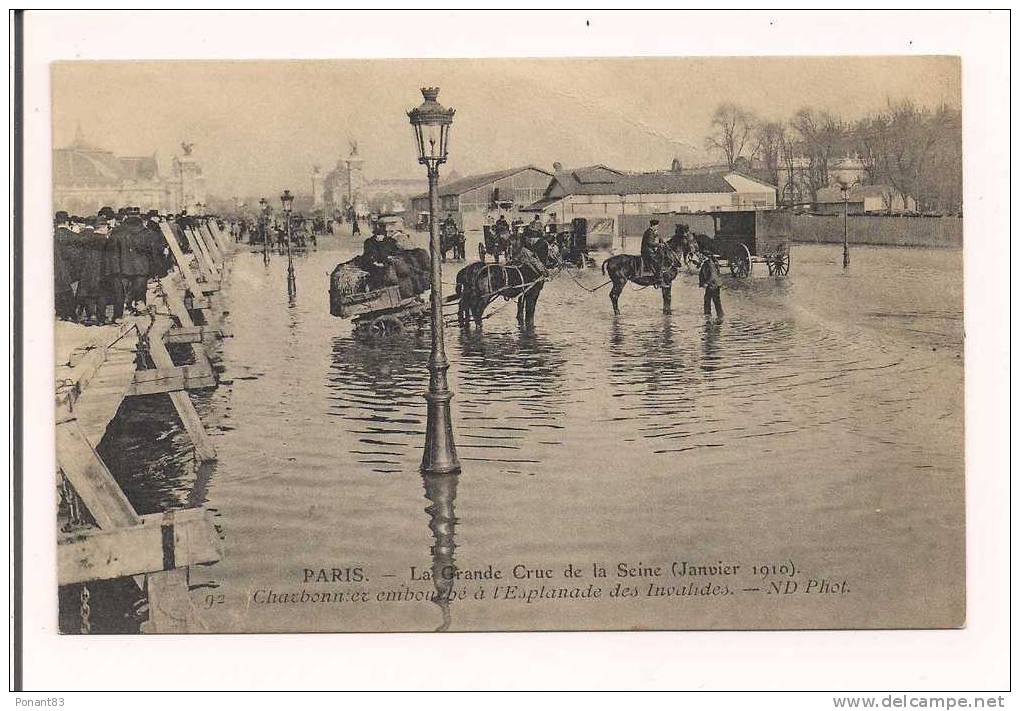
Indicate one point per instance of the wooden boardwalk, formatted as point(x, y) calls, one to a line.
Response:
point(96, 369)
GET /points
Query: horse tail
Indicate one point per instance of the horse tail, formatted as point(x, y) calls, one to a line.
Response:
point(604, 265)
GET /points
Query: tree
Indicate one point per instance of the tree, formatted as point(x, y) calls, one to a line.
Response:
point(870, 136)
point(820, 136)
point(916, 151)
point(770, 139)
point(732, 132)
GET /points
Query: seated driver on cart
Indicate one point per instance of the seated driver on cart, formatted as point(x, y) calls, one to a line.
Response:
point(534, 231)
point(501, 226)
point(449, 225)
point(375, 258)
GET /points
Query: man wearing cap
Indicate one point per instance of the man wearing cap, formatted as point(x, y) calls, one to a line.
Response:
point(652, 250)
point(710, 279)
point(375, 258)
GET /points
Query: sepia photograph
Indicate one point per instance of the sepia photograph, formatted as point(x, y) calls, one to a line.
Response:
point(603, 344)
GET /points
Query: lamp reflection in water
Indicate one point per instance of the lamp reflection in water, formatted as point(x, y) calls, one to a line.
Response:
point(441, 490)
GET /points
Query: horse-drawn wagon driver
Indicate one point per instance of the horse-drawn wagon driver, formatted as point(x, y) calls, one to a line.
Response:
point(502, 225)
point(375, 256)
point(449, 223)
point(535, 229)
point(652, 249)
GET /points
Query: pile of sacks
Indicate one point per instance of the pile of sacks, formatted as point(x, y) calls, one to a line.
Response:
point(410, 269)
point(349, 279)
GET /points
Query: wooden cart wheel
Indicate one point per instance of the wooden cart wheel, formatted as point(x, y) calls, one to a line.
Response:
point(780, 264)
point(385, 326)
point(740, 262)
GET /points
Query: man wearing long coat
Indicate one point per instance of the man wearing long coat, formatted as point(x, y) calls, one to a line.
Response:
point(134, 259)
point(64, 267)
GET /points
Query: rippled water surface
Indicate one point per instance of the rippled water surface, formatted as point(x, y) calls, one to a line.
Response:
point(820, 423)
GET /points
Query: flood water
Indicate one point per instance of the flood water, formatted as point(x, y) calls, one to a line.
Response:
point(821, 425)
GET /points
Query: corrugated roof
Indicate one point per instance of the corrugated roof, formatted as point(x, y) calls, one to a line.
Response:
point(541, 204)
point(463, 185)
point(658, 183)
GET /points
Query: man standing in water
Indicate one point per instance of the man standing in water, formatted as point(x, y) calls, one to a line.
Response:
point(709, 278)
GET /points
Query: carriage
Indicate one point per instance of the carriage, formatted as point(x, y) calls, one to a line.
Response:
point(381, 310)
point(747, 237)
point(451, 239)
point(494, 242)
point(573, 244)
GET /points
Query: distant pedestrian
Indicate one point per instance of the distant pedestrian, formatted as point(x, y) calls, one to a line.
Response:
point(710, 279)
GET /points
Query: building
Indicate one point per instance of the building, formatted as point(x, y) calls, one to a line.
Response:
point(392, 194)
point(318, 196)
point(601, 195)
point(861, 199)
point(473, 197)
point(344, 186)
point(187, 184)
point(86, 178)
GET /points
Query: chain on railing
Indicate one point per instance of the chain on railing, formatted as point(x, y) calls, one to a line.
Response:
point(84, 611)
point(77, 517)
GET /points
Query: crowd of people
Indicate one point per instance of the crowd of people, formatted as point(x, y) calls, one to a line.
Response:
point(103, 262)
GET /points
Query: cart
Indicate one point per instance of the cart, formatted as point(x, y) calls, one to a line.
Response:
point(573, 244)
point(495, 243)
point(744, 238)
point(376, 313)
point(452, 239)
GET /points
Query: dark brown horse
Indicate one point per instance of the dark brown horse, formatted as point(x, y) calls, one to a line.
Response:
point(631, 267)
point(479, 284)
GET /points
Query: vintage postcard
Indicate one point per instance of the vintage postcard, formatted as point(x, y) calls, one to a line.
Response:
point(509, 344)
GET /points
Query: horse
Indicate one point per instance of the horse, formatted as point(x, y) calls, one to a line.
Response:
point(479, 284)
point(629, 267)
point(690, 245)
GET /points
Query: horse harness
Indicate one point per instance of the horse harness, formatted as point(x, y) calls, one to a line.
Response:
point(524, 286)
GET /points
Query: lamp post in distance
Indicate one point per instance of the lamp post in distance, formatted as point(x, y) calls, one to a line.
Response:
point(264, 205)
point(287, 200)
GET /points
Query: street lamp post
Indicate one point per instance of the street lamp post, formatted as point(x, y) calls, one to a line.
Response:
point(431, 123)
point(845, 189)
point(264, 204)
point(288, 202)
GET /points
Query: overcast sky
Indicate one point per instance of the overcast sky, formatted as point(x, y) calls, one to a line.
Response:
point(258, 127)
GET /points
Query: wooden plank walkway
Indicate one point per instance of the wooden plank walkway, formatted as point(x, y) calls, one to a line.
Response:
point(94, 390)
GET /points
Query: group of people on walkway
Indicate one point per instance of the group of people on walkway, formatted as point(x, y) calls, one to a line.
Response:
point(102, 263)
